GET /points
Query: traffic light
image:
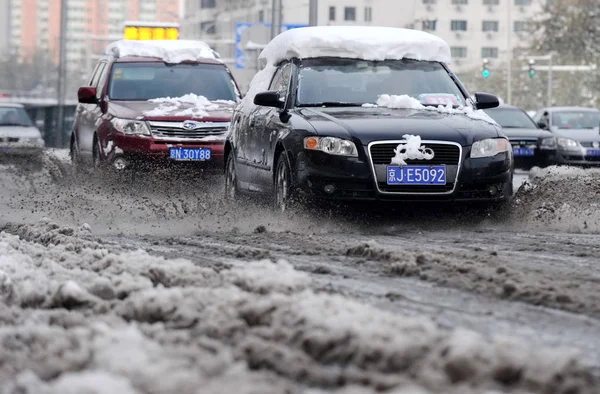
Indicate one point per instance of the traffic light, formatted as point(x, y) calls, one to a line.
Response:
point(485, 72)
point(531, 68)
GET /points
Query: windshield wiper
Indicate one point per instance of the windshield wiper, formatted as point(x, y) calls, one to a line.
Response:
point(332, 104)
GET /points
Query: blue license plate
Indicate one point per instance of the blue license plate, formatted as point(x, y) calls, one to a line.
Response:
point(190, 154)
point(416, 175)
point(593, 152)
point(524, 151)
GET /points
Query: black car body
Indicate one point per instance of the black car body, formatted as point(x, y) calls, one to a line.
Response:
point(532, 145)
point(279, 144)
point(577, 131)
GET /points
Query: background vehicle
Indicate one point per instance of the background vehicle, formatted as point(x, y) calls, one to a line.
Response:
point(532, 146)
point(154, 102)
point(18, 134)
point(577, 133)
point(315, 128)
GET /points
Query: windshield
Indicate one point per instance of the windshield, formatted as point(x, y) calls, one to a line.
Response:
point(576, 119)
point(362, 82)
point(510, 118)
point(146, 81)
point(14, 116)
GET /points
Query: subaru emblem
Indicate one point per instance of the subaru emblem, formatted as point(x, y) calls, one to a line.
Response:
point(190, 125)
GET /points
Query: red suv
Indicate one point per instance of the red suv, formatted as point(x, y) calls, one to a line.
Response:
point(154, 102)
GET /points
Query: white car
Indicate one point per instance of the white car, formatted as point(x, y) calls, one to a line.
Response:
point(18, 134)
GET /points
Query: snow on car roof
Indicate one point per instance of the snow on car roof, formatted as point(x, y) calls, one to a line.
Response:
point(356, 42)
point(170, 51)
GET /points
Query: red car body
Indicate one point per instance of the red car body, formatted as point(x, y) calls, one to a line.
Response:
point(97, 141)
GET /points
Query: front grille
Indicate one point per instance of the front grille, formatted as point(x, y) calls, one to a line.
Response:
point(523, 142)
point(587, 144)
point(175, 130)
point(443, 154)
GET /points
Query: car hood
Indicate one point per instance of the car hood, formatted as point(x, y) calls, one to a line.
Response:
point(19, 132)
point(526, 133)
point(218, 111)
point(578, 134)
point(376, 124)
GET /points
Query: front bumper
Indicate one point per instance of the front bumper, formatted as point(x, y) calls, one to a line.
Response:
point(145, 150)
point(324, 176)
point(577, 158)
point(21, 150)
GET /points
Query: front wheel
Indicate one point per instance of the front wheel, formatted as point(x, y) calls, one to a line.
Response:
point(231, 189)
point(284, 195)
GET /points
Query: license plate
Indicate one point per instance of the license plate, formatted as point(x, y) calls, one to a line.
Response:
point(593, 152)
point(190, 154)
point(524, 151)
point(416, 175)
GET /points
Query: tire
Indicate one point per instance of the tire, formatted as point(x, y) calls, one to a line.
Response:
point(231, 189)
point(285, 197)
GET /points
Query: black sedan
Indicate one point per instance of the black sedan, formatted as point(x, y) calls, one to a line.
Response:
point(351, 129)
point(532, 146)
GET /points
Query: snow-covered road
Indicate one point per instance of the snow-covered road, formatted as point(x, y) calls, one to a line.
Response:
point(158, 286)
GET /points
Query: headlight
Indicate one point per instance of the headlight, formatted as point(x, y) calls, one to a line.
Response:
point(331, 145)
point(567, 143)
point(490, 147)
point(128, 126)
point(548, 143)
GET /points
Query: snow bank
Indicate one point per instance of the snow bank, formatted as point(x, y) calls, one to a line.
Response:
point(560, 198)
point(189, 105)
point(358, 42)
point(175, 326)
point(407, 102)
point(175, 51)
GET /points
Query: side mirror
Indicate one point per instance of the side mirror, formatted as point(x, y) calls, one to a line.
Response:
point(542, 125)
point(87, 95)
point(485, 101)
point(268, 99)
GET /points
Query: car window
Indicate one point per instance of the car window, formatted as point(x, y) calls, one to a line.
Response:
point(97, 74)
point(361, 82)
point(281, 80)
point(576, 119)
point(510, 118)
point(14, 116)
point(141, 81)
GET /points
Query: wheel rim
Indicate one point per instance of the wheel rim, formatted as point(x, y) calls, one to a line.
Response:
point(282, 186)
point(230, 180)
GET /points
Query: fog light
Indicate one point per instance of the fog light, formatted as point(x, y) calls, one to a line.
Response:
point(493, 190)
point(120, 163)
point(329, 189)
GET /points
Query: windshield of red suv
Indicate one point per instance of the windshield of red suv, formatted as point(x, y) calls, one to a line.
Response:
point(145, 81)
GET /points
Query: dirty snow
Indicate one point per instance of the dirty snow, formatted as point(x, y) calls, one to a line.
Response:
point(407, 102)
point(175, 51)
point(81, 316)
point(188, 105)
point(358, 42)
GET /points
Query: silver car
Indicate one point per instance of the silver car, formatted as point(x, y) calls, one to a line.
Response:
point(577, 132)
point(18, 135)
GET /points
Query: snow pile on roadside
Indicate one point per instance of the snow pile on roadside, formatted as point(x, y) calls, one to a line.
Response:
point(407, 102)
point(81, 319)
point(560, 198)
point(188, 105)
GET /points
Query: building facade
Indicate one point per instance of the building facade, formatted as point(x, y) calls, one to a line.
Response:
point(478, 29)
point(91, 25)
